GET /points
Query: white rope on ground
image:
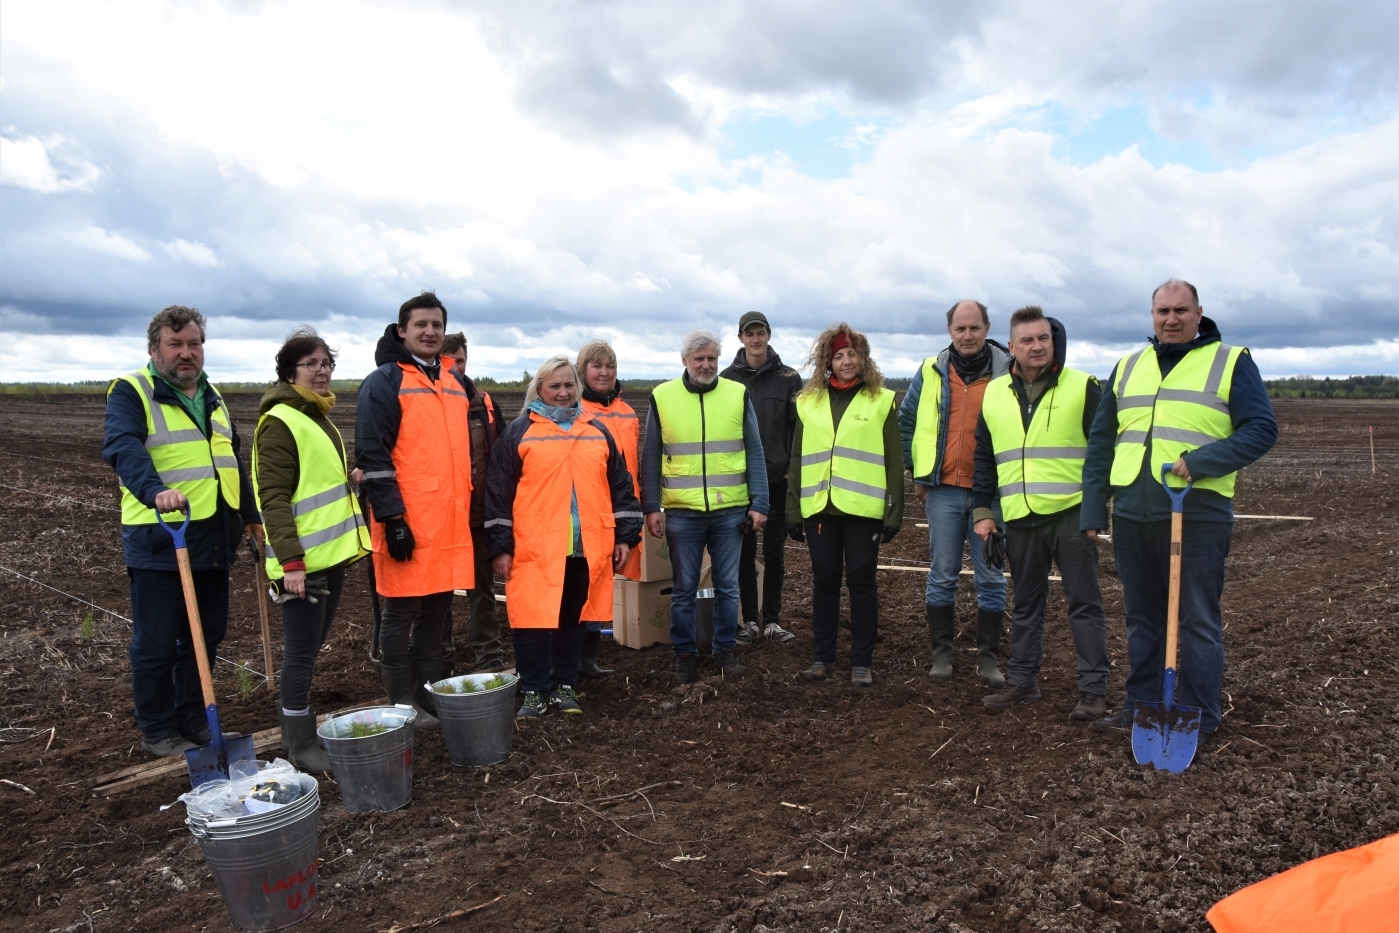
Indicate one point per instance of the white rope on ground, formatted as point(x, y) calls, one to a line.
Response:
point(49, 495)
point(118, 615)
point(81, 463)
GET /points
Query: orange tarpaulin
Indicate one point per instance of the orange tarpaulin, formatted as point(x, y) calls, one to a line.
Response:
point(1355, 891)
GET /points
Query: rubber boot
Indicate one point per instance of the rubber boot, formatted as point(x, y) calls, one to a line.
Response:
point(449, 648)
point(588, 667)
point(397, 672)
point(301, 744)
point(990, 624)
point(427, 669)
point(942, 624)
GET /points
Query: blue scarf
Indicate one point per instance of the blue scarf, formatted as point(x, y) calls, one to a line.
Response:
point(563, 417)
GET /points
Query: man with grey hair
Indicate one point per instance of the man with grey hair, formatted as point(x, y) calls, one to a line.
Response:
point(169, 437)
point(703, 484)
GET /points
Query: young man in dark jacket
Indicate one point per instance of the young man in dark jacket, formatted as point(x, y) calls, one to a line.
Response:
point(169, 438)
point(772, 388)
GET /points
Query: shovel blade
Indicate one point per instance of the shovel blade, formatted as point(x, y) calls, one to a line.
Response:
point(206, 764)
point(1165, 739)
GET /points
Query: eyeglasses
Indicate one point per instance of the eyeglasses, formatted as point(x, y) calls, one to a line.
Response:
point(315, 366)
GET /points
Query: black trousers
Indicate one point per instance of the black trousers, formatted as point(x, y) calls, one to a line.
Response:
point(482, 621)
point(774, 550)
point(851, 544)
point(546, 658)
point(305, 626)
point(413, 622)
point(164, 673)
point(1032, 553)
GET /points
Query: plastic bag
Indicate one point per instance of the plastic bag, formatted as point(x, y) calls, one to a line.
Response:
point(254, 787)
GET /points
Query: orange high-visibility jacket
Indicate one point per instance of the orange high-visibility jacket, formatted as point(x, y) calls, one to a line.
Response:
point(1355, 891)
point(536, 468)
point(432, 466)
point(622, 423)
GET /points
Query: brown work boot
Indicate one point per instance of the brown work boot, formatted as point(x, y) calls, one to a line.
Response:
point(1011, 695)
point(1090, 707)
point(861, 677)
point(819, 670)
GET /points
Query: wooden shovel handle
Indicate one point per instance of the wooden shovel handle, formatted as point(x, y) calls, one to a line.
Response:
point(1173, 597)
point(261, 592)
point(196, 627)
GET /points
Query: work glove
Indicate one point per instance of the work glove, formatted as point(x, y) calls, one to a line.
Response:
point(889, 532)
point(400, 539)
point(745, 526)
point(796, 531)
point(317, 588)
point(996, 550)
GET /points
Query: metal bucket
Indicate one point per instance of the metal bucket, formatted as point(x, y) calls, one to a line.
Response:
point(375, 772)
point(704, 617)
point(479, 726)
point(265, 864)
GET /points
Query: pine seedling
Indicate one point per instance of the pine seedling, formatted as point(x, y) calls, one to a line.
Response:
point(87, 628)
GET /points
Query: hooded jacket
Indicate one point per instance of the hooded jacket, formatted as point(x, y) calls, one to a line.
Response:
point(772, 388)
point(1255, 432)
point(985, 483)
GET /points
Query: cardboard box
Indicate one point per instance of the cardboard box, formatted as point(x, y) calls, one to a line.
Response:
point(641, 618)
point(655, 558)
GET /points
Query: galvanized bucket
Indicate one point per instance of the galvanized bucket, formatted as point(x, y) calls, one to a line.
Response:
point(704, 616)
point(478, 725)
point(265, 864)
point(371, 752)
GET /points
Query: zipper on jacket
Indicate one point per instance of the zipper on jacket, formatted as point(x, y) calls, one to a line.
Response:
point(704, 456)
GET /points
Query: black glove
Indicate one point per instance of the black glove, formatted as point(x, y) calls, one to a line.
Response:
point(889, 532)
point(796, 531)
point(400, 539)
point(317, 588)
point(746, 525)
point(996, 550)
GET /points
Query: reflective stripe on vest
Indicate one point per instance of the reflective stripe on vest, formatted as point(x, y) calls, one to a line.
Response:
point(925, 427)
point(844, 464)
point(198, 467)
point(1040, 471)
point(1186, 410)
point(703, 465)
point(328, 521)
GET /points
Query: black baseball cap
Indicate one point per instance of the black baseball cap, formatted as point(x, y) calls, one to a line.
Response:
point(753, 317)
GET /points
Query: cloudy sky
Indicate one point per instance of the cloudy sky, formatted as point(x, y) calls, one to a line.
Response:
point(629, 170)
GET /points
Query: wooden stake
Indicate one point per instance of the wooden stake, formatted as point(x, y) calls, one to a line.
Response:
point(1372, 450)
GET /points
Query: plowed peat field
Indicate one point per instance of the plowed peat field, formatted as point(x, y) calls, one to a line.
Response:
point(757, 803)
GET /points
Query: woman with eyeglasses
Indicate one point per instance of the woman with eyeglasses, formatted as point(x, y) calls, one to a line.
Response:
point(313, 524)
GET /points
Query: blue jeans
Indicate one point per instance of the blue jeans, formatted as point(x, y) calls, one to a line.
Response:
point(687, 534)
point(1143, 554)
point(164, 673)
point(949, 511)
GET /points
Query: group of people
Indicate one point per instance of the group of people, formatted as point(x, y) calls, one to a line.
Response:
point(1012, 454)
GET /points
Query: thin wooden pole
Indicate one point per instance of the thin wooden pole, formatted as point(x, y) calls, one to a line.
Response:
point(1372, 450)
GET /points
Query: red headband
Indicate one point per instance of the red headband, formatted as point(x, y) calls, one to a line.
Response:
point(841, 341)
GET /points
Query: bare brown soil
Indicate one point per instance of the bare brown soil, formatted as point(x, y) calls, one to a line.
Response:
point(759, 803)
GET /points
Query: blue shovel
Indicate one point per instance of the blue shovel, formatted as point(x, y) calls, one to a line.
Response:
point(1164, 734)
point(210, 762)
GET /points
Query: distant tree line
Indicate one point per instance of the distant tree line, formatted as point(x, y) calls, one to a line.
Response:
point(1350, 387)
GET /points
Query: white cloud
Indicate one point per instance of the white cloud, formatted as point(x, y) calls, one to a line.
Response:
point(104, 241)
point(29, 162)
point(195, 254)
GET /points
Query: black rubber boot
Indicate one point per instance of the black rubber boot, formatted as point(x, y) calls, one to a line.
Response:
point(942, 625)
point(427, 669)
point(397, 672)
point(989, 628)
point(301, 745)
point(449, 649)
point(588, 667)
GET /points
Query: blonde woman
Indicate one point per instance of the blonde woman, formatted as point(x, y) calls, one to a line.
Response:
point(561, 518)
point(846, 493)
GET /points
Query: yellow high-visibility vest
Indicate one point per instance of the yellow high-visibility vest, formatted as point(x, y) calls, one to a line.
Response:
point(925, 427)
point(1186, 410)
point(703, 462)
point(186, 460)
point(844, 464)
point(1039, 471)
point(328, 520)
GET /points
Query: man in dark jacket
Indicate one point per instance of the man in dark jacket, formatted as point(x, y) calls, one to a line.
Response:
point(1030, 442)
point(483, 622)
point(1198, 405)
point(169, 438)
point(772, 388)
